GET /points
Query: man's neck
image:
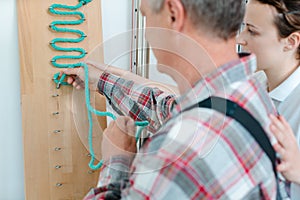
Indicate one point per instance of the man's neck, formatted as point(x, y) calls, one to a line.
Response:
point(222, 52)
point(216, 54)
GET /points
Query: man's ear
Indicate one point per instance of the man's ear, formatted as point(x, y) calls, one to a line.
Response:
point(176, 14)
point(292, 41)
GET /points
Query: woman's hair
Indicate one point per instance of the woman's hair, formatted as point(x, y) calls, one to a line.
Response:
point(288, 19)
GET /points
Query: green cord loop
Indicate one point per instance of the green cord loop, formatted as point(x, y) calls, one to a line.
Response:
point(81, 35)
point(60, 80)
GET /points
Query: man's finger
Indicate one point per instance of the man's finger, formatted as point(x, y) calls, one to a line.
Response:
point(126, 124)
point(70, 79)
point(131, 127)
point(121, 123)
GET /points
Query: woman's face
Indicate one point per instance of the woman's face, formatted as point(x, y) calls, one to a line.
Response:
point(260, 35)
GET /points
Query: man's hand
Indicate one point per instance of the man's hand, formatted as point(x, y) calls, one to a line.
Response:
point(76, 75)
point(119, 139)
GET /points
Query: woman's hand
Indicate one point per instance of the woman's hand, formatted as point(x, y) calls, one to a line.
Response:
point(287, 148)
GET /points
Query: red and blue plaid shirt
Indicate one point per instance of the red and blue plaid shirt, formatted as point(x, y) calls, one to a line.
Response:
point(197, 154)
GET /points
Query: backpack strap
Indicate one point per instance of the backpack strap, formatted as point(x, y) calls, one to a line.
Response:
point(236, 112)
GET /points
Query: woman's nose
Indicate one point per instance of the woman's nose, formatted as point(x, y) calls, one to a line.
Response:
point(240, 40)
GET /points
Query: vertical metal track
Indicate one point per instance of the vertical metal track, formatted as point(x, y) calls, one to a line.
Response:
point(139, 46)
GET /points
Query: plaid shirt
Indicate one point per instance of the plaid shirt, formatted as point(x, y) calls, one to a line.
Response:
point(138, 102)
point(197, 154)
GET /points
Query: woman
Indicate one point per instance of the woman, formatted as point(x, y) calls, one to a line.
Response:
point(272, 32)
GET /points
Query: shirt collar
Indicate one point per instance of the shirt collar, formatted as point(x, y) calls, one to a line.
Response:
point(281, 92)
point(218, 80)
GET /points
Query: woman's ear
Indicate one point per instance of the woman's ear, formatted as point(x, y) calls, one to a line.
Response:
point(176, 14)
point(293, 41)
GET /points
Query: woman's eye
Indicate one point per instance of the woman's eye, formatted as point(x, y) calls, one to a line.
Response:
point(251, 32)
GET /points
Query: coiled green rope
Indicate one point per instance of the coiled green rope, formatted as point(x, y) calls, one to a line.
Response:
point(60, 81)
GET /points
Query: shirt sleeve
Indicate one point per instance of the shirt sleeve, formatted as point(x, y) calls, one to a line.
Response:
point(137, 101)
point(151, 177)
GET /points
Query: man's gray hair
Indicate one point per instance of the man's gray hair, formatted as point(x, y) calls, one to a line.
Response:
point(222, 17)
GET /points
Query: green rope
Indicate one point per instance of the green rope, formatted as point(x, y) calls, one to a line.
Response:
point(60, 81)
point(92, 110)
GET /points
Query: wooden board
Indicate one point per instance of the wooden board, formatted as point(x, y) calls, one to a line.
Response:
point(43, 148)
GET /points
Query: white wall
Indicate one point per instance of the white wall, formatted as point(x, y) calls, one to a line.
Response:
point(11, 155)
point(116, 21)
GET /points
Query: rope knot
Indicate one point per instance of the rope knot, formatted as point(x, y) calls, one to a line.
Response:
point(85, 1)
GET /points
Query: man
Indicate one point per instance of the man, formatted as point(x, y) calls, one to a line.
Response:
point(195, 153)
